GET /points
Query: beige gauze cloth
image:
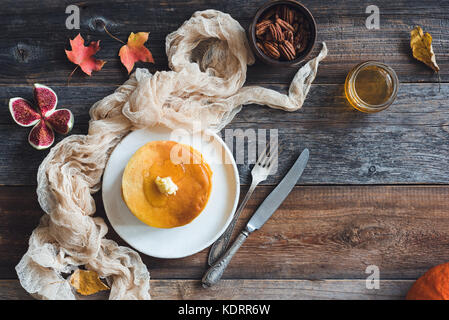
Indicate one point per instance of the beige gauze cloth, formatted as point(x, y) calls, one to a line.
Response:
point(208, 56)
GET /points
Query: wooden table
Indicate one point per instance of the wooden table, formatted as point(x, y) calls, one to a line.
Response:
point(375, 192)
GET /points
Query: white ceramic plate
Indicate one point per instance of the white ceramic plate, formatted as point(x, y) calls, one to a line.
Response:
point(181, 241)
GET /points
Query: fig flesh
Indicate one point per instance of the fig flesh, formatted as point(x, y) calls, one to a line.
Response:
point(45, 118)
point(45, 98)
point(41, 136)
point(60, 120)
point(23, 113)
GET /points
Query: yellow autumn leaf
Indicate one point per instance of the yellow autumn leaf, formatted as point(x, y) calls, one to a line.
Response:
point(87, 282)
point(421, 45)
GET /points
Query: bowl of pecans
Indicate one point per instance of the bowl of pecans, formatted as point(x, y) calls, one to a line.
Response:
point(282, 33)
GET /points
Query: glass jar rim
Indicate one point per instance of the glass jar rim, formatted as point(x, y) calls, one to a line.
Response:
point(386, 68)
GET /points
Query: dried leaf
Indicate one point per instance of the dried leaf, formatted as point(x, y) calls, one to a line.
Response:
point(421, 45)
point(135, 51)
point(87, 282)
point(83, 56)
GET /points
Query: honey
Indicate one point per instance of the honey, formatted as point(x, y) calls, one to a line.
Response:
point(371, 86)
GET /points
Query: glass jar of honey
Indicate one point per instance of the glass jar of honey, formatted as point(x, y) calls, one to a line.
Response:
point(371, 86)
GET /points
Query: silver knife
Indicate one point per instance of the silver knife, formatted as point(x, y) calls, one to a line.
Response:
point(262, 214)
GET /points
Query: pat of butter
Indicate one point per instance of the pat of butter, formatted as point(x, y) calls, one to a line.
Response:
point(166, 185)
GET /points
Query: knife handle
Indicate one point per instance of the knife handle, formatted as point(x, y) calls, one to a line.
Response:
point(214, 273)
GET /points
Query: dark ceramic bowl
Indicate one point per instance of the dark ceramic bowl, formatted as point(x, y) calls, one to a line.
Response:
point(310, 44)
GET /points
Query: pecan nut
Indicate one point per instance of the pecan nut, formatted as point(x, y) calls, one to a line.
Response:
point(271, 49)
point(261, 48)
point(276, 32)
point(282, 33)
point(285, 25)
point(287, 50)
point(262, 27)
point(302, 44)
point(287, 14)
point(288, 36)
point(297, 41)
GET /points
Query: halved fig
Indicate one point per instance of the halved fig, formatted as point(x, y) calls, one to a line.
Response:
point(60, 120)
point(45, 118)
point(41, 136)
point(45, 97)
point(23, 113)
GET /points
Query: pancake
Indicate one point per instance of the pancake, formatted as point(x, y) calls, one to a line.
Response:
point(186, 168)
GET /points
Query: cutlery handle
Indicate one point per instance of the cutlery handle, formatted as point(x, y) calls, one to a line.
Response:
point(221, 244)
point(214, 273)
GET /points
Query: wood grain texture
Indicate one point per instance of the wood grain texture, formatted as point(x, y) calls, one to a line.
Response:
point(406, 144)
point(319, 232)
point(326, 229)
point(250, 290)
point(32, 51)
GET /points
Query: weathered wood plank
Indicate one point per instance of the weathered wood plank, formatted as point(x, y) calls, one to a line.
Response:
point(251, 290)
point(319, 232)
point(407, 143)
point(31, 51)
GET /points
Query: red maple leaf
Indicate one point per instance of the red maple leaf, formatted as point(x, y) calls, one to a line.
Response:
point(135, 50)
point(83, 56)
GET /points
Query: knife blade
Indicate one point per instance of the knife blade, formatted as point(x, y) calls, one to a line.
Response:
point(278, 195)
point(262, 214)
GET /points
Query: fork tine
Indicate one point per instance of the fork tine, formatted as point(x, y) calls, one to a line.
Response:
point(262, 156)
point(267, 156)
point(270, 155)
point(264, 160)
point(273, 160)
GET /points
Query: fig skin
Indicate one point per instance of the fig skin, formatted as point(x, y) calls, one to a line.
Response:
point(41, 136)
point(45, 98)
point(45, 119)
point(23, 113)
point(60, 120)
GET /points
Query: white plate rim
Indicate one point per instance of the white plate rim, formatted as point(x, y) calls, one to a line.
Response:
point(236, 196)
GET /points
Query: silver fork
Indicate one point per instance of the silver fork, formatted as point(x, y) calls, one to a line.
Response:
point(260, 172)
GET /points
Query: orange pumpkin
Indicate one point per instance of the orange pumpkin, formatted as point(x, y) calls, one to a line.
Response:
point(433, 285)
